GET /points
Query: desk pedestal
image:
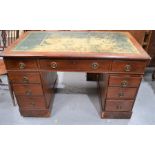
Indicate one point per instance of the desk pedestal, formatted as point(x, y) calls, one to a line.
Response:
point(117, 94)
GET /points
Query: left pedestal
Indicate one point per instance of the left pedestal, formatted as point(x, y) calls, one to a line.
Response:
point(34, 89)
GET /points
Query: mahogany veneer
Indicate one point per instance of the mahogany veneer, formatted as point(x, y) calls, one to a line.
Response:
point(24, 77)
point(75, 65)
point(134, 66)
point(31, 102)
point(33, 74)
point(119, 105)
point(125, 80)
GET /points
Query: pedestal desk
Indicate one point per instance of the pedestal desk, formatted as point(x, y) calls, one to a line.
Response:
point(33, 60)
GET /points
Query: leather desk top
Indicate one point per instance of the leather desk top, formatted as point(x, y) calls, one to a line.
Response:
point(77, 44)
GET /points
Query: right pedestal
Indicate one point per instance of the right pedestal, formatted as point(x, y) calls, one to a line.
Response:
point(117, 94)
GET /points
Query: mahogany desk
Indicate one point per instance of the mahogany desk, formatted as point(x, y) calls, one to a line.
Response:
point(33, 60)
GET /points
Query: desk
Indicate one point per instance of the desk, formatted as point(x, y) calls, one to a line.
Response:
point(33, 60)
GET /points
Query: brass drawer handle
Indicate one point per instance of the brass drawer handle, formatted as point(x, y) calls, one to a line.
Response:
point(53, 65)
point(127, 68)
point(25, 79)
point(95, 65)
point(22, 65)
point(28, 92)
point(32, 103)
point(124, 83)
point(121, 94)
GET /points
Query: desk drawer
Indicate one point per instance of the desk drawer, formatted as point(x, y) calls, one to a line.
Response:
point(31, 102)
point(121, 93)
point(119, 105)
point(128, 66)
point(27, 89)
point(125, 81)
point(24, 77)
point(75, 65)
point(21, 64)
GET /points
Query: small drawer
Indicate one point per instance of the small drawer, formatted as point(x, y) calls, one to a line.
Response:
point(27, 89)
point(129, 66)
point(125, 81)
point(21, 64)
point(121, 93)
point(24, 77)
point(75, 65)
point(31, 102)
point(119, 105)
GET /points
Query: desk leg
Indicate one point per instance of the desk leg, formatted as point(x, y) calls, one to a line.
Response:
point(11, 92)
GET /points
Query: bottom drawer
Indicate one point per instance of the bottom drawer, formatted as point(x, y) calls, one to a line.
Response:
point(119, 105)
point(31, 102)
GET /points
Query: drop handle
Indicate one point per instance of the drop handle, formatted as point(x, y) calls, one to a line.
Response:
point(25, 79)
point(118, 107)
point(124, 83)
point(127, 68)
point(22, 65)
point(32, 103)
point(28, 92)
point(95, 65)
point(53, 65)
point(121, 94)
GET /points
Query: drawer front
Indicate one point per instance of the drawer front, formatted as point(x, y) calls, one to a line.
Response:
point(24, 77)
point(31, 102)
point(121, 93)
point(27, 90)
point(75, 65)
point(128, 66)
point(21, 64)
point(124, 81)
point(119, 105)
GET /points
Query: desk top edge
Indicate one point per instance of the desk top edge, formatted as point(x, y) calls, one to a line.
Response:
point(142, 53)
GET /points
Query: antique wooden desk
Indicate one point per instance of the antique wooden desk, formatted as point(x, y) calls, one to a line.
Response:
point(33, 60)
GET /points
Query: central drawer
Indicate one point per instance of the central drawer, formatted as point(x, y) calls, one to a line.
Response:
point(28, 89)
point(75, 65)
